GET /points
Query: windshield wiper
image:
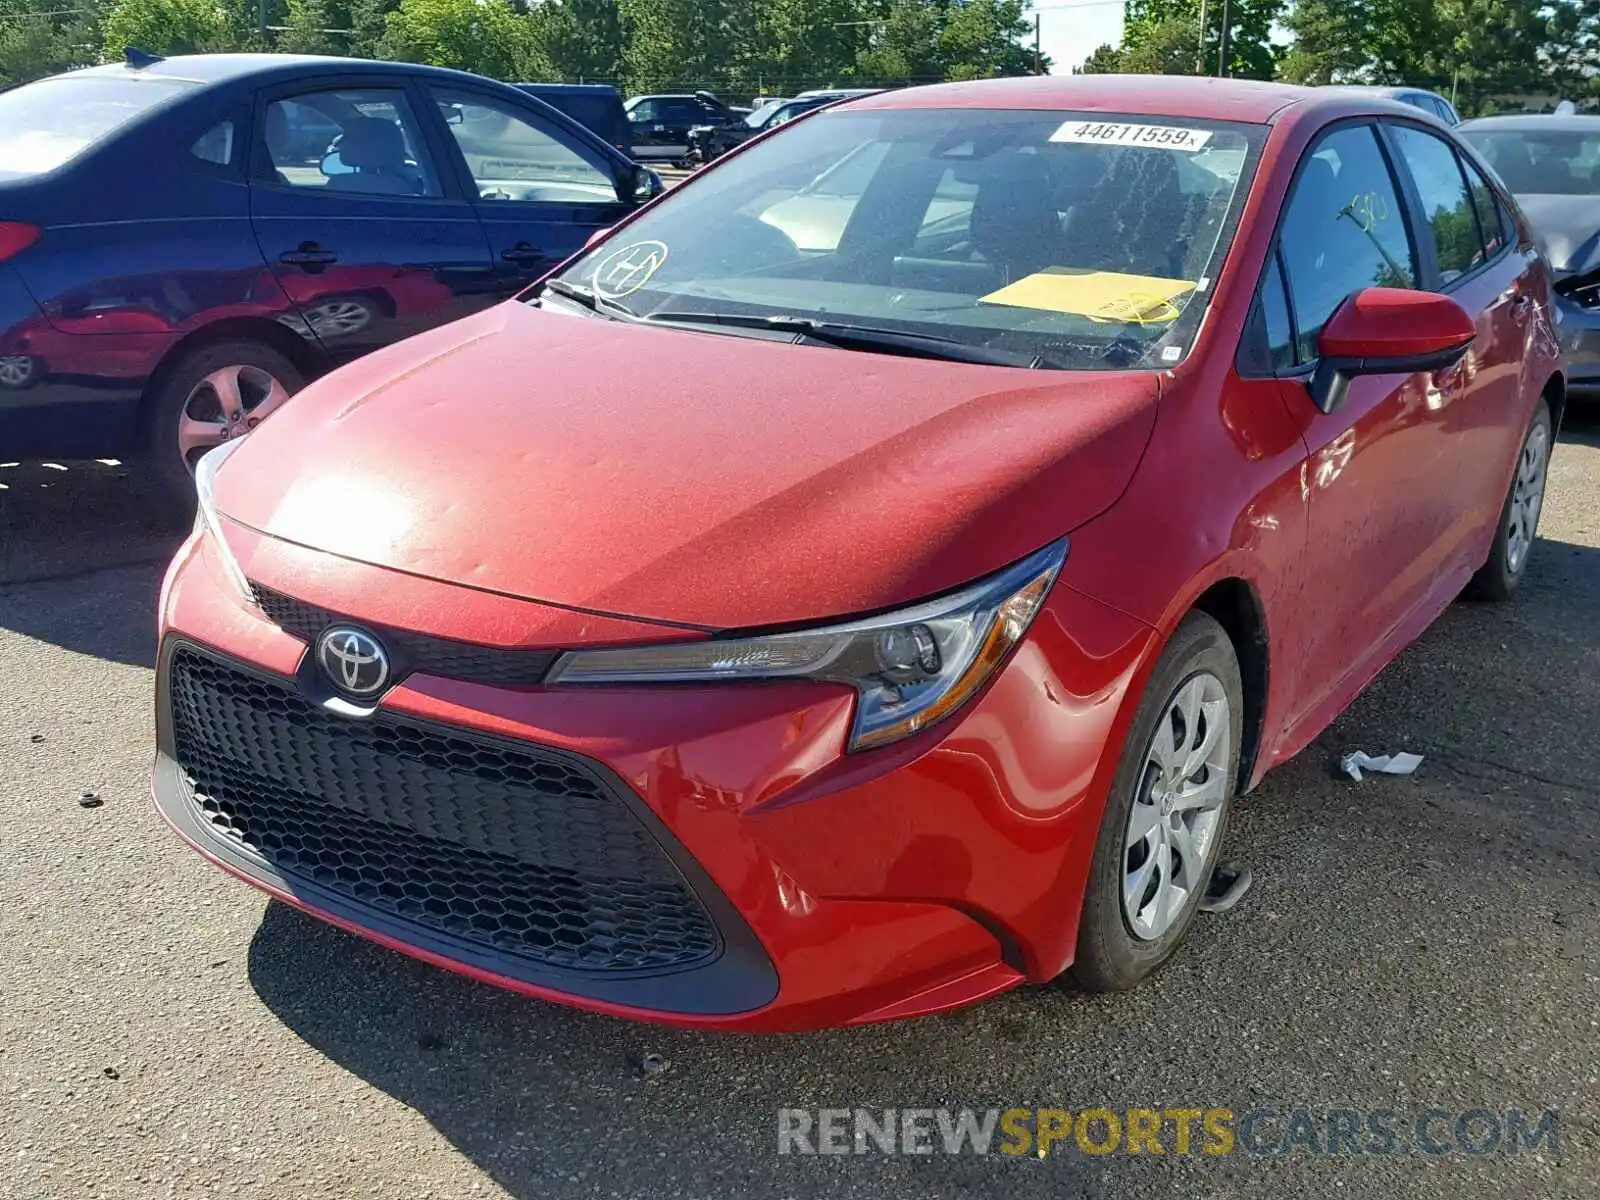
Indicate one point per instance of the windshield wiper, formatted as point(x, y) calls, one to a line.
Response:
point(858, 337)
point(602, 306)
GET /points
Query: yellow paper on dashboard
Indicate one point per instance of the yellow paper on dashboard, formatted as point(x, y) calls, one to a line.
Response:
point(1098, 295)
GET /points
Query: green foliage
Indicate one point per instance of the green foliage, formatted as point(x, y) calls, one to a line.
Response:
point(1155, 32)
point(308, 21)
point(169, 27)
point(38, 38)
point(485, 36)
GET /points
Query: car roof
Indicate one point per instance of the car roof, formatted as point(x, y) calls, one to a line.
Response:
point(594, 89)
point(1374, 89)
point(1547, 122)
point(265, 68)
point(1142, 95)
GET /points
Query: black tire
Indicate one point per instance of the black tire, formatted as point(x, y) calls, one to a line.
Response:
point(1499, 576)
point(168, 475)
point(1110, 957)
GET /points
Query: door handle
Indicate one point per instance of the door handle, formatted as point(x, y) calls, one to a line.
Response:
point(522, 253)
point(308, 254)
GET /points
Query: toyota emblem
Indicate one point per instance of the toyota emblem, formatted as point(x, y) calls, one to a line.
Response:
point(353, 660)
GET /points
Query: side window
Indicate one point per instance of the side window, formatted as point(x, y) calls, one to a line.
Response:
point(685, 112)
point(364, 141)
point(1492, 217)
point(215, 145)
point(1445, 204)
point(645, 112)
point(1343, 230)
point(514, 156)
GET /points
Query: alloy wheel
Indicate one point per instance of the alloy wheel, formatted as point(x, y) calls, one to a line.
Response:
point(1527, 497)
point(224, 405)
point(338, 318)
point(16, 370)
point(1178, 807)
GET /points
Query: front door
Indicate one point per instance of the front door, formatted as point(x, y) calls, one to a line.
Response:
point(1373, 532)
point(539, 189)
point(369, 237)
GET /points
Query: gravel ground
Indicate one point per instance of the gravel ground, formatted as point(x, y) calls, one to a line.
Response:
point(1410, 943)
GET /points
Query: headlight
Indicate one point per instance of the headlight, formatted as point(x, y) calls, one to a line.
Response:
point(910, 668)
point(207, 521)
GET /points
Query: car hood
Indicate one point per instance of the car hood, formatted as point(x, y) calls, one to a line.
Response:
point(688, 477)
point(1568, 228)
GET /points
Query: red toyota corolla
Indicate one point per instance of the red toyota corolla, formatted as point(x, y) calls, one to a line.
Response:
point(863, 582)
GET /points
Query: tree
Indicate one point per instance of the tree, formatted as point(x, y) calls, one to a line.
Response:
point(38, 38)
point(1106, 60)
point(985, 37)
point(168, 27)
point(903, 46)
point(308, 21)
point(675, 43)
point(582, 39)
point(484, 36)
point(1153, 33)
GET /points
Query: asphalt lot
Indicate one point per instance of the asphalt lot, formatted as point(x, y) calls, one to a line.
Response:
point(1409, 943)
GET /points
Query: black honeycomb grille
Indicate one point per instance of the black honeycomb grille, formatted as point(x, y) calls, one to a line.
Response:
point(524, 852)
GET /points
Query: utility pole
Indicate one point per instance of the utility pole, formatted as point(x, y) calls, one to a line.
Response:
point(261, 19)
point(1038, 57)
point(1200, 50)
point(1222, 46)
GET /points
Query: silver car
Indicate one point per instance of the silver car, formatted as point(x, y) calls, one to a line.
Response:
point(1551, 164)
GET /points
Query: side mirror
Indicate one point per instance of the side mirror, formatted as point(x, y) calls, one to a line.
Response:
point(642, 184)
point(1387, 331)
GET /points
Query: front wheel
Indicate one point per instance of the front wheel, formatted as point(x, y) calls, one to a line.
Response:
point(1167, 813)
point(214, 394)
point(1519, 515)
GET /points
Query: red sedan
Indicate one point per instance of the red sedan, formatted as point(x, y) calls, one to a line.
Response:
point(863, 582)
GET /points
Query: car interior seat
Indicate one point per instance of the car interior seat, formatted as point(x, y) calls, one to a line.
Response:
point(375, 151)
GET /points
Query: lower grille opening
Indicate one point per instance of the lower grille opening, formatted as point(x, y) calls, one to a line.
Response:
point(526, 852)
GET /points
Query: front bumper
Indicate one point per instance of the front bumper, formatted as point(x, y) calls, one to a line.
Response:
point(1578, 329)
point(841, 888)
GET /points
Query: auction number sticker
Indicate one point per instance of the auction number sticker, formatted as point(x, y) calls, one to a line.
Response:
point(1118, 133)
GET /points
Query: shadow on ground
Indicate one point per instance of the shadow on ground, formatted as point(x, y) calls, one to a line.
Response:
point(82, 553)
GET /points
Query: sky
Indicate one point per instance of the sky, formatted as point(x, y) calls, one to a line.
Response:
point(1071, 30)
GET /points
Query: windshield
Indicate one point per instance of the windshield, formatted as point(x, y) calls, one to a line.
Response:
point(1540, 162)
point(1079, 240)
point(758, 118)
point(46, 124)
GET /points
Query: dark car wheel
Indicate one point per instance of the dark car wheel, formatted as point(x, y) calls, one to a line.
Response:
point(1519, 515)
point(214, 394)
point(18, 370)
point(1167, 814)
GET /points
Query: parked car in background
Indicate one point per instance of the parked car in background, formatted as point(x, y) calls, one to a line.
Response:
point(1431, 103)
point(595, 106)
point(1552, 164)
point(183, 243)
point(708, 142)
point(757, 635)
point(660, 124)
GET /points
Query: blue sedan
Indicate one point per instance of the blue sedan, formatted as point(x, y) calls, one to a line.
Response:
point(184, 242)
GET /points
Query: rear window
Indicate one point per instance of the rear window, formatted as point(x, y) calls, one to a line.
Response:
point(1542, 162)
point(47, 124)
point(1088, 240)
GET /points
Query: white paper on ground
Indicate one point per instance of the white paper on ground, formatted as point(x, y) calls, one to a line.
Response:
point(1357, 761)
